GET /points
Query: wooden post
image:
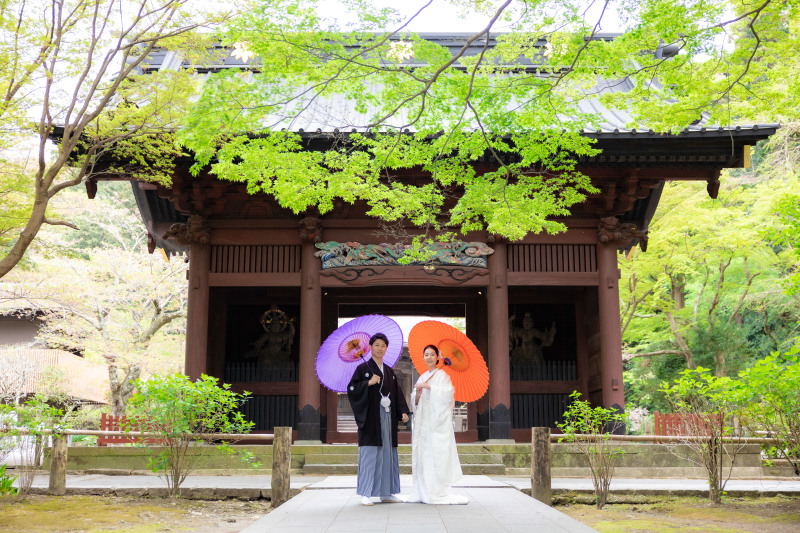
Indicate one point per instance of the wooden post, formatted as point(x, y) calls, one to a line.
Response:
point(58, 467)
point(281, 463)
point(540, 465)
point(197, 311)
point(610, 329)
point(308, 401)
point(499, 365)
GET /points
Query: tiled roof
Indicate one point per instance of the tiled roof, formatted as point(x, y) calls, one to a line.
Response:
point(336, 114)
point(85, 381)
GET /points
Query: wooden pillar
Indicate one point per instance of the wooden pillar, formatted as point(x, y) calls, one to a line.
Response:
point(610, 331)
point(332, 417)
point(308, 428)
point(281, 465)
point(582, 346)
point(197, 311)
point(541, 488)
point(499, 364)
point(58, 467)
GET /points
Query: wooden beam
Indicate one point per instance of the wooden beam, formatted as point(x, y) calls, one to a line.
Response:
point(544, 387)
point(256, 279)
point(267, 389)
point(554, 279)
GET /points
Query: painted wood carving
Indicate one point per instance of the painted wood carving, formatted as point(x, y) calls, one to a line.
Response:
point(348, 254)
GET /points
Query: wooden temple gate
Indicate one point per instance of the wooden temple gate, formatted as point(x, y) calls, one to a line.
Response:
point(553, 283)
point(543, 310)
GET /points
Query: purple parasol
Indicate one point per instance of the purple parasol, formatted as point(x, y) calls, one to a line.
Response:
point(348, 347)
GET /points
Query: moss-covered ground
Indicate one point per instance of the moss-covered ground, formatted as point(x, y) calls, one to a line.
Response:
point(49, 514)
point(735, 515)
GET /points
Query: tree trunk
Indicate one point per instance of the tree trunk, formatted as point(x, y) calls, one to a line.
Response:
point(677, 291)
point(121, 389)
point(687, 352)
point(720, 369)
point(26, 236)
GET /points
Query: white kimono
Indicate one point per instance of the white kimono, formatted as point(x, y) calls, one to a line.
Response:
point(434, 457)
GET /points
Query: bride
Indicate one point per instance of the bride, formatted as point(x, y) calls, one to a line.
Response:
point(434, 458)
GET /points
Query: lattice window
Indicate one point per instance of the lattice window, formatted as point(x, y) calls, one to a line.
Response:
point(537, 410)
point(255, 258)
point(270, 411)
point(552, 258)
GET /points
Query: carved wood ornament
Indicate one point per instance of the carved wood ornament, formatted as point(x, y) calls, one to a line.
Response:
point(194, 231)
point(311, 229)
point(610, 229)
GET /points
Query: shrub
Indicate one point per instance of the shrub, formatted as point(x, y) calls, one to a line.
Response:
point(178, 410)
point(771, 403)
point(709, 404)
point(587, 428)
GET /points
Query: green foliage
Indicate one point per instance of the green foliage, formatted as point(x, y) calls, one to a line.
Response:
point(421, 108)
point(587, 428)
point(180, 411)
point(708, 404)
point(109, 220)
point(7, 483)
point(708, 290)
point(788, 208)
point(15, 199)
point(769, 395)
point(72, 73)
point(35, 420)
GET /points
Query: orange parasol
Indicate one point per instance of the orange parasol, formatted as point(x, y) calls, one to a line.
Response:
point(468, 370)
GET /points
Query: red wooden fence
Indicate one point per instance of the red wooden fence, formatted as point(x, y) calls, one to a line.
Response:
point(120, 423)
point(681, 424)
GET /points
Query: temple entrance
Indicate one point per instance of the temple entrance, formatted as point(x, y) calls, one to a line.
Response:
point(461, 308)
point(255, 335)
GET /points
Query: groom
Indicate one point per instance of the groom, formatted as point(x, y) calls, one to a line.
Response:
point(377, 405)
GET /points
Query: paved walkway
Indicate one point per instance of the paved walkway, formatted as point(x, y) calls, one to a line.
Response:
point(244, 485)
point(330, 504)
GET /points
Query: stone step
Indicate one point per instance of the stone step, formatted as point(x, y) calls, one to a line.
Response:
point(352, 469)
point(352, 449)
point(405, 459)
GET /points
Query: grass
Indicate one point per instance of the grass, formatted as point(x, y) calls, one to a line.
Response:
point(777, 514)
point(49, 514)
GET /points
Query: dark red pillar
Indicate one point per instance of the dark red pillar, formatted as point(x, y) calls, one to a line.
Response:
point(197, 311)
point(610, 331)
point(308, 428)
point(499, 364)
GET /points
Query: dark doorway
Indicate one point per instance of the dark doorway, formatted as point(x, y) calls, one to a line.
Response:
point(466, 305)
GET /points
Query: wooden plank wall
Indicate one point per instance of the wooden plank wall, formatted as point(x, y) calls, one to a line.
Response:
point(552, 258)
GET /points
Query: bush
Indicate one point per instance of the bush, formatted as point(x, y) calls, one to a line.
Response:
point(771, 403)
point(593, 423)
point(709, 404)
point(41, 420)
point(7, 483)
point(178, 410)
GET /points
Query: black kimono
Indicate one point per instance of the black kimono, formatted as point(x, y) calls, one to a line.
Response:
point(365, 401)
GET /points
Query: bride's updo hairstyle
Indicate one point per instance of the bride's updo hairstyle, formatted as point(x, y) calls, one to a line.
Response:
point(433, 347)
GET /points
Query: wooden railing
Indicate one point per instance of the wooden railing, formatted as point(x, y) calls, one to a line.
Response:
point(541, 438)
point(281, 441)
